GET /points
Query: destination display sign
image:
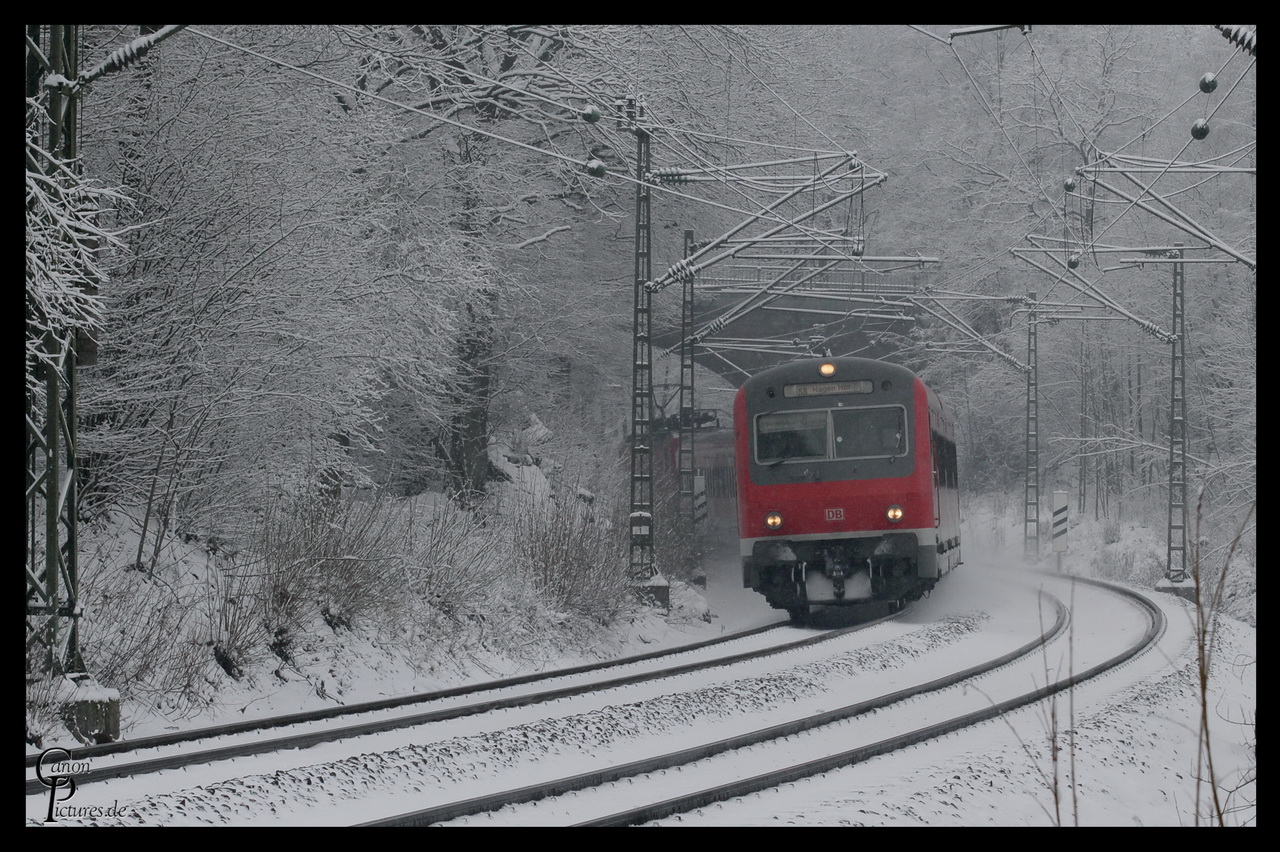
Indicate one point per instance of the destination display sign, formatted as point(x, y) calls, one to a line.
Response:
point(827, 388)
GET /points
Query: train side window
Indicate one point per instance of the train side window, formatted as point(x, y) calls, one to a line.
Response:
point(791, 435)
point(945, 467)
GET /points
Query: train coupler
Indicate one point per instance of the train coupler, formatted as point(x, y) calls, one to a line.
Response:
point(838, 570)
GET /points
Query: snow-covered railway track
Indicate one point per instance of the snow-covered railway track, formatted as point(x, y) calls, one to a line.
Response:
point(90, 752)
point(303, 730)
point(681, 781)
point(623, 754)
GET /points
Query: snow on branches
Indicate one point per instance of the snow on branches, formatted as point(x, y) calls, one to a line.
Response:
point(63, 266)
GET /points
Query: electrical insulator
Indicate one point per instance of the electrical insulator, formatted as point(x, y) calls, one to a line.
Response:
point(1241, 36)
point(591, 114)
point(1208, 83)
point(595, 168)
point(1069, 184)
point(667, 175)
point(1200, 129)
point(1073, 261)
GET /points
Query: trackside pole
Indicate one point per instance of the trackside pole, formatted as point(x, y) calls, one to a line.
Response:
point(647, 580)
point(53, 609)
point(1059, 526)
point(1177, 579)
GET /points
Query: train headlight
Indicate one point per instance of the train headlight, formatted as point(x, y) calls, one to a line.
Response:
point(894, 514)
point(773, 520)
point(827, 368)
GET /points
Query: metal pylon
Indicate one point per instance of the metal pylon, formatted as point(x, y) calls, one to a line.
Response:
point(52, 570)
point(1176, 569)
point(685, 466)
point(641, 518)
point(1031, 492)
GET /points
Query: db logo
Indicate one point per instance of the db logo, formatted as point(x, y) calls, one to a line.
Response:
point(835, 514)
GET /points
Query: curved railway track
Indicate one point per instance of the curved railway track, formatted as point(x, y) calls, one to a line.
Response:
point(256, 744)
point(558, 797)
point(653, 810)
point(89, 752)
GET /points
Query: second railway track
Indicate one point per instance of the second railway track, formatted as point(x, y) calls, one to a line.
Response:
point(680, 781)
point(302, 730)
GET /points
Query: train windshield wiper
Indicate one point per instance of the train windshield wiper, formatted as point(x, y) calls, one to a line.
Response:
point(782, 459)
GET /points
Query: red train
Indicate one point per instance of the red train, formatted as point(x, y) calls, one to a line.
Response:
point(847, 485)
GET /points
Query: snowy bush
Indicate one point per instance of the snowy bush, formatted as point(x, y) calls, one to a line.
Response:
point(575, 561)
point(343, 558)
point(453, 568)
point(148, 634)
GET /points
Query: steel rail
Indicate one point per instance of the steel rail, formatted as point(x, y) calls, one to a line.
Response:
point(100, 750)
point(311, 738)
point(595, 778)
point(741, 787)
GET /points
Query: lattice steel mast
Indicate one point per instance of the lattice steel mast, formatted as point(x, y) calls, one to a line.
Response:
point(641, 517)
point(53, 579)
point(685, 467)
point(1031, 487)
point(1176, 564)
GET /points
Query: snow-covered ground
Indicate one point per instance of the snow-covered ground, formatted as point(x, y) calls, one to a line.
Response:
point(1135, 758)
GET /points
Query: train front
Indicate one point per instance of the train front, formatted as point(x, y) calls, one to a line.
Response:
point(836, 499)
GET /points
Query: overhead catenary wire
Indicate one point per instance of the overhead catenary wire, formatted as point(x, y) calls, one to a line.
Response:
point(755, 215)
point(626, 178)
point(374, 96)
point(1150, 327)
point(1137, 163)
point(1135, 201)
point(714, 169)
point(1168, 115)
point(999, 124)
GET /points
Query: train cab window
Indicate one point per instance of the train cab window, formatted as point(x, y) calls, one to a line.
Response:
point(791, 435)
point(869, 432)
point(835, 433)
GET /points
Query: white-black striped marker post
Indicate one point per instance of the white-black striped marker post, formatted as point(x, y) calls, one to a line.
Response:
point(1059, 525)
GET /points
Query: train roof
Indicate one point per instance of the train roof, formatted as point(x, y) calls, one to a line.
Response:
point(864, 367)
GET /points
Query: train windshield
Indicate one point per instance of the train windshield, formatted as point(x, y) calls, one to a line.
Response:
point(791, 435)
point(835, 433)
point(869, 432)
